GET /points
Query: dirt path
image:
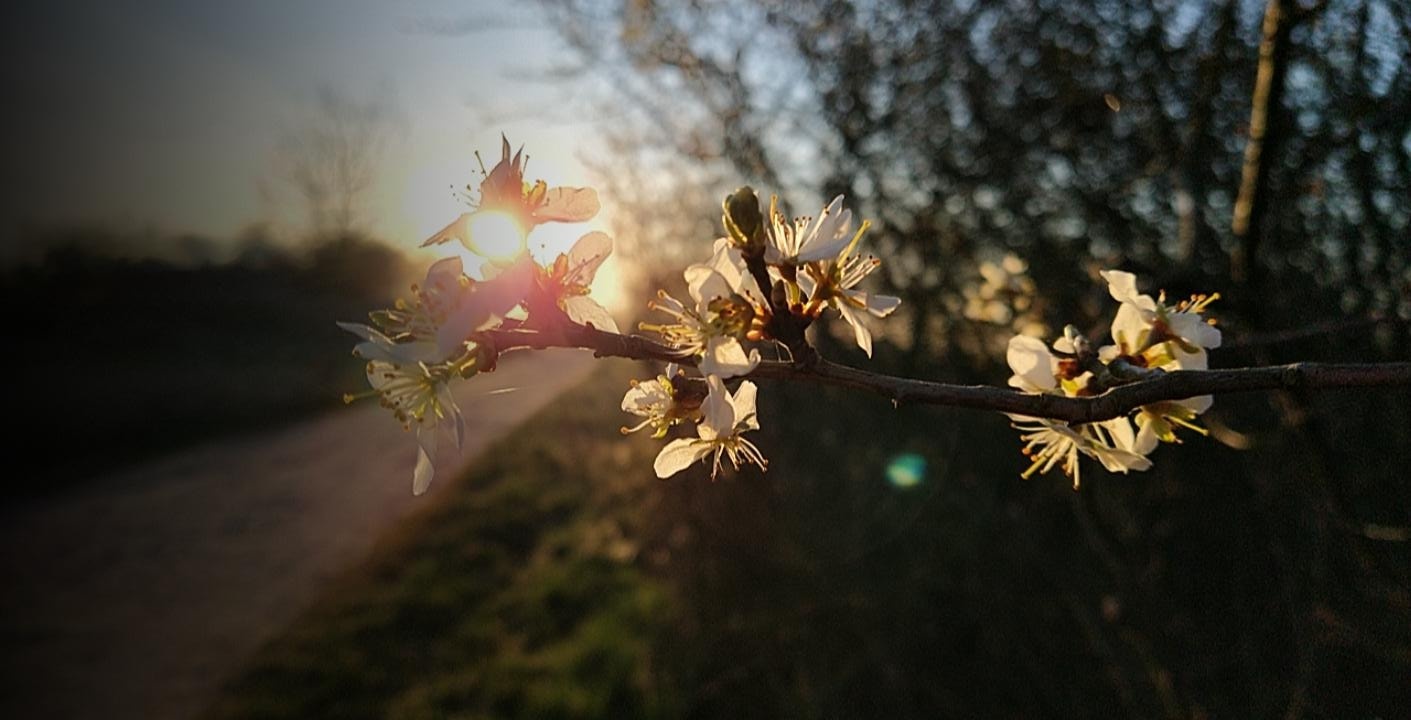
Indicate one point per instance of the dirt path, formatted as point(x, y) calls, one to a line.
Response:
point(135, 596)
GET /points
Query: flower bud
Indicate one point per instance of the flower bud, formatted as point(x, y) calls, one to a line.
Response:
point(744, 223)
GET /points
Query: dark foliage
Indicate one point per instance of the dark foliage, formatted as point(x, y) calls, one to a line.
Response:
point(1263, 572)
point(119, 359)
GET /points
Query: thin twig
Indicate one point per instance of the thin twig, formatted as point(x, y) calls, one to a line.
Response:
point(1111, 404)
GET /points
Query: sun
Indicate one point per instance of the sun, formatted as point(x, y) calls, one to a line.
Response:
point(425, 201)
point(496, 236)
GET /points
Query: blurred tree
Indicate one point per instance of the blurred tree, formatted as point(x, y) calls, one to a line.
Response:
point(1077, 134)
point(333, 158)
point(1010, 150)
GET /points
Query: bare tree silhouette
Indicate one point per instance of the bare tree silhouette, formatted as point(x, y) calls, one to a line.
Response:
point(332, 159)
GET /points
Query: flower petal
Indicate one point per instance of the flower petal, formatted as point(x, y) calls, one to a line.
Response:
point(1198, 404)
point(859, 328)
point(828, 235)
point(426, 443)
point(640, 398)
point(880, 305)
point(1121, 461)
point(1120, 430)
point(1032, 364)
point(486, 305)
point(568, 204)
point(727, 260)
point(586, 311)
point(718, 413)
point(1129, 327)
point(678, 455)
point(366, 332)
point(459, 229)
point(1193, 328)
point(1123, 287)
point(726, 357)
point(743, 402)
point(705, 284)
point(586, 256)
point(1147, 438)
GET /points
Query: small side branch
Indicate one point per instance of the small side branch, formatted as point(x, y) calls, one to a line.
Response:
point(1114, 403)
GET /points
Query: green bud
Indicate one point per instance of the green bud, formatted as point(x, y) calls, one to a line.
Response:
point(744, 223)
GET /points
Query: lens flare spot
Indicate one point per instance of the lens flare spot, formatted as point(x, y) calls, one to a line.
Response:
point(496, 235)
point(906, 471)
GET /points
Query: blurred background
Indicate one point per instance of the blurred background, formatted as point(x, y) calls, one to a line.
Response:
point(196, 192)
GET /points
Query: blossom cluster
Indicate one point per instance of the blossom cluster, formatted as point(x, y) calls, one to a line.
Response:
point(417, 348)
point(766, 281)
point(1148, 336)
point(809, 263)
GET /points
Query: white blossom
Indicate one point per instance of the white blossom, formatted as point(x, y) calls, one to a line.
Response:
point(504, 190)
point(831, 279)
point(571, 277)
point(1143, 322)
point(806, 239)
point(1051, 443)
point(419, 395)
point(712, 327)
point(656, 401)
point(725, 418)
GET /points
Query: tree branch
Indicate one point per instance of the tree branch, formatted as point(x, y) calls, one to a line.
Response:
point(1260, 151)
point(1114, 403)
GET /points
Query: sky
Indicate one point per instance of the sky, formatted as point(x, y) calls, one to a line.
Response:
point(166, 116)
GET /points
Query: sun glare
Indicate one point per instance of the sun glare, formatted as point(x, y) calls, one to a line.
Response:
point(495, 236)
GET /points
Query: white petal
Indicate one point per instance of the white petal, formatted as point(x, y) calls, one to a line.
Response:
point(568, 204)
point(459, 229)
point(1120, 430)
point(744, 403)
point(881, 305)
point(1122, 461)
point(678, 455)
point(425, 352)
point(587, 255)
point(726, 358)
point(445, 270)
point(1146, 436)
point(377, 346)
point(828, 235)
point(1183, 360)
point(642, 396)
point(1128, 326)
point(705, 285)
point(483, 308)
point(717, 413)
point(727, 260)
point(366, 332)
point(586, 311)
point(1194, 328)
point(470, 317)
point(1032, 364)
point(425, 459)
point(1199, 404)
point(1123, 287)
point(860, 331)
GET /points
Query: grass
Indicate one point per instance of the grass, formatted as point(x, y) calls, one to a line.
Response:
point(559, 579)
point(515, 596)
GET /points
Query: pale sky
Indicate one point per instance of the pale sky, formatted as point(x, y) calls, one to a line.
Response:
point(167, 114)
